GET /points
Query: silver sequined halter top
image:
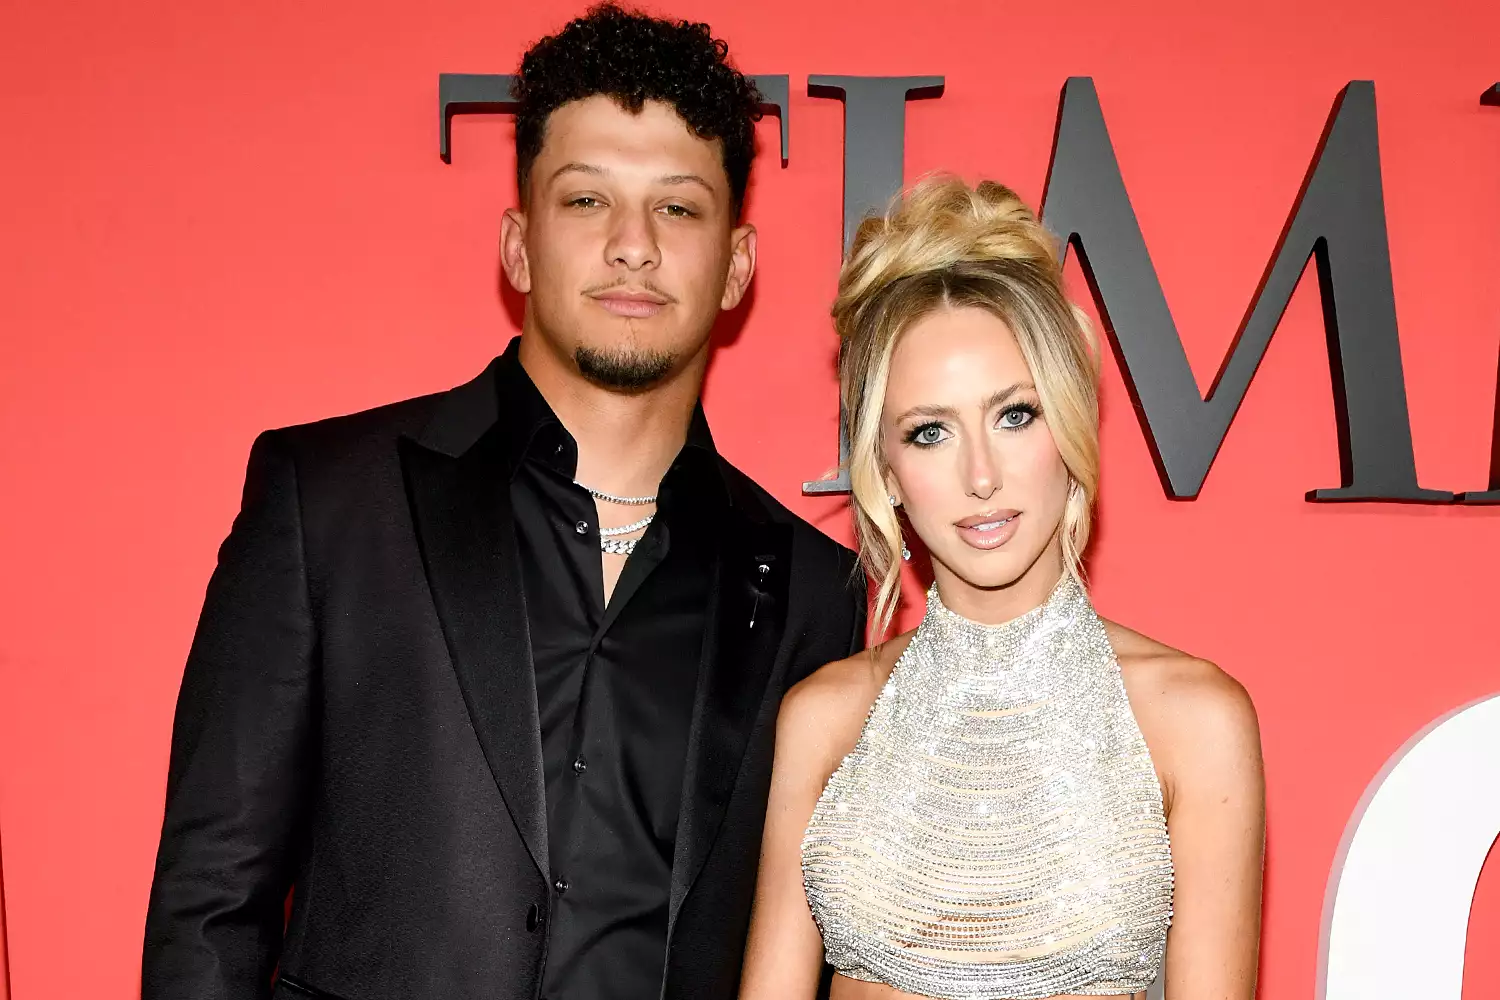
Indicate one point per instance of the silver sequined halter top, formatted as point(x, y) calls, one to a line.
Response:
point(997, 831)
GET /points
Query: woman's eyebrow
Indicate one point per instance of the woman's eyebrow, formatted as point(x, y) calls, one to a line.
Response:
point(938, 410)
point(928, 410)
point(1000, 397)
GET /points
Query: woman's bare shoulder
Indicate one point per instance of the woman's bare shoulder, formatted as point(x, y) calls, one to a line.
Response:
point(823, 714)
point(1170, 679)
point(1199, 722)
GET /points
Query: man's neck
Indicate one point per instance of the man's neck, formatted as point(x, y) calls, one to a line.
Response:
point(626, 441)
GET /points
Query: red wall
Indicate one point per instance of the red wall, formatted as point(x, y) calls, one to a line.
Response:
point(4, 962)
point(217, 218)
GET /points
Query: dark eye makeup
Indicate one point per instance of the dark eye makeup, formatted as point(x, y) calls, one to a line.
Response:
point(1015, 417)
point(1026, 412)
point(924, 435)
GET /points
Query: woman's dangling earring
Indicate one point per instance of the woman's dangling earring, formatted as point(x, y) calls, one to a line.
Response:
point(905, 552)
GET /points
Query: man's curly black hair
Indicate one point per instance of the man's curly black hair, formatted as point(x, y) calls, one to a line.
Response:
point(634, 58)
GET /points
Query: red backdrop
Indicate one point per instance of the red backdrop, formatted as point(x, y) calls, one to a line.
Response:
point(217, 218)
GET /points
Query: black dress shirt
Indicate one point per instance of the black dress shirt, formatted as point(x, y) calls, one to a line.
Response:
point(615, 689)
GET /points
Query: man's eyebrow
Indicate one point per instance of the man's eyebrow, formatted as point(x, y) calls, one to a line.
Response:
point(671, 179)
point(578, 168)
point(594, 170)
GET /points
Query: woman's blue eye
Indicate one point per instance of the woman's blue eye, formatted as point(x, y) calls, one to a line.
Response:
point(927, 434)
point(1017, 417)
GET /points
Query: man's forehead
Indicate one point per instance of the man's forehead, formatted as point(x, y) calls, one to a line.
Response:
point(598, 130)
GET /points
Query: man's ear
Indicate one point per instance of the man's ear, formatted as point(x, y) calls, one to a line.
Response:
point(741, 265)
point(513, 250)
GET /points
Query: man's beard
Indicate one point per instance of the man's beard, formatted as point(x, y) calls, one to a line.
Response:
point(625, 370)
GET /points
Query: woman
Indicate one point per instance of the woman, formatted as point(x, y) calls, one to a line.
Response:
point(981, 808)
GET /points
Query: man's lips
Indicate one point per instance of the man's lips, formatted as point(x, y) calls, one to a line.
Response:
point(989, 530)
point(633, 305)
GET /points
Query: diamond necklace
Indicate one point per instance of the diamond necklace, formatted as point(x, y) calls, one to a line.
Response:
point(626, 529)
point(611, 543)
point(611, 498)
point(609, 540)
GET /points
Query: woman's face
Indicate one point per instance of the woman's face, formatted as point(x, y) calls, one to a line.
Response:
point(970, 454)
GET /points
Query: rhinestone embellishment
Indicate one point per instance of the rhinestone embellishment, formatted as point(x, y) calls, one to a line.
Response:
point(997, 831)
point(618, 546)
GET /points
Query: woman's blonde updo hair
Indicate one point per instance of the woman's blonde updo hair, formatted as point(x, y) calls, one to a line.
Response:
point(945, 244)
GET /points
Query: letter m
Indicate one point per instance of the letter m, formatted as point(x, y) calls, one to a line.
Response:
point(1338, 220)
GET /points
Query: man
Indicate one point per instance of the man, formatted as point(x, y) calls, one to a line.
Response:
point(488, 679)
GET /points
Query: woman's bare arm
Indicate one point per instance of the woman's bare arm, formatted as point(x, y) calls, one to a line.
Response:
point(1216, 818)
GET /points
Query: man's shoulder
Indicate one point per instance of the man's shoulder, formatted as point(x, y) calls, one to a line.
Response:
point(338, 458)
point(376, 426)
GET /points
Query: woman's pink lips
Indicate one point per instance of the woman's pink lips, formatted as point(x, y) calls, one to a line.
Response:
point(631, 306)
point(988, 531)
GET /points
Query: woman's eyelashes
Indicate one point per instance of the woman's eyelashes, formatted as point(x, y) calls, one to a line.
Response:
point(1017, 416)
point(933, 432)
point(926, 435)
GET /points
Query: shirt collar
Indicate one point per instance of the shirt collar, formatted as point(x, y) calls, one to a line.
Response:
point(533, 431)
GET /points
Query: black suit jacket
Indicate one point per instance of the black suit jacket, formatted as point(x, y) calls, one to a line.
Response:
point(358, 719)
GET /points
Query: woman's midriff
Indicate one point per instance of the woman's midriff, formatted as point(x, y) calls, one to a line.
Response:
point(845, 988)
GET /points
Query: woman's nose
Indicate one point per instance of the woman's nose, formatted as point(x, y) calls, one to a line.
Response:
point(983, 473)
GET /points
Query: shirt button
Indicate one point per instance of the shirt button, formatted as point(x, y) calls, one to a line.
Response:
point(561, 885)
point(580, 765)
point(582, 527)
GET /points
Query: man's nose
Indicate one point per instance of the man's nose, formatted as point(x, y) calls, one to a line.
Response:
point(632, 240)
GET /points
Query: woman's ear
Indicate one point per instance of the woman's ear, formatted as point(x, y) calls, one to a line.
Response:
point(892, 491)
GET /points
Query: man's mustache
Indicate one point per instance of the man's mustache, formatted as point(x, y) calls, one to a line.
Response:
point(644, 285)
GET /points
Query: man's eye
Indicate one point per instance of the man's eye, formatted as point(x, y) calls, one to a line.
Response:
point(583, 201)
point(679, 211)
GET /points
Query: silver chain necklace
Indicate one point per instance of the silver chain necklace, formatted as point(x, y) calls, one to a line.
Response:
point(611, 498)
point(609, 540)
point(611, 543)
point(626, 529)
point(618, 546)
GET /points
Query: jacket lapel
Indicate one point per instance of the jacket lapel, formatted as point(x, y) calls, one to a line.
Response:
point(461, 508)
point(747, 616)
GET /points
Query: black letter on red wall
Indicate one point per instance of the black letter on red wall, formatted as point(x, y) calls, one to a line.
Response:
point(1490, 98)
point(874, 148)
point(1338, 220)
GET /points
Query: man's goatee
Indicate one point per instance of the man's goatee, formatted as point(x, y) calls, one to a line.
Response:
point(628, 370)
